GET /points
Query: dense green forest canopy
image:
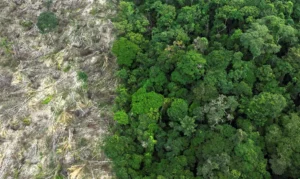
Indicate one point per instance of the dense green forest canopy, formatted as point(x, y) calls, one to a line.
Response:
point(209, 89)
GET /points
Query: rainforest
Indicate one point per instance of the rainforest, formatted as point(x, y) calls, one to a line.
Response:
point(208, 89)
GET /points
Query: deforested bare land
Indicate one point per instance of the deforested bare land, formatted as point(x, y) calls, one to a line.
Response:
point(56, 89)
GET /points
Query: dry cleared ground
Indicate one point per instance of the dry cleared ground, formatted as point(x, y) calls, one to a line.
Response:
point(51, 122)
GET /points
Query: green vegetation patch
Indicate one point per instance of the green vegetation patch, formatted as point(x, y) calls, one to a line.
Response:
point(47, 100)
point(47, 22)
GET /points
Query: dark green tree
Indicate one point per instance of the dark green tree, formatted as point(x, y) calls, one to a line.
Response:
point(47, 22)
point(283, 146)
point(189, 68)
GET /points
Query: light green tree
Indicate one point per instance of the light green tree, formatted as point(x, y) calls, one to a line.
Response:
point(265, 106)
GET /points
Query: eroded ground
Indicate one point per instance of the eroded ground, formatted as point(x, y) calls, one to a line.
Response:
point(51, 121)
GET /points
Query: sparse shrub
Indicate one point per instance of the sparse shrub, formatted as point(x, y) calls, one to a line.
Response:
point(47, 100)
point(48, 3)
point(67, 68)
point(6, 45)
point(82, 76)
point(26, 24)
point(94, 11)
